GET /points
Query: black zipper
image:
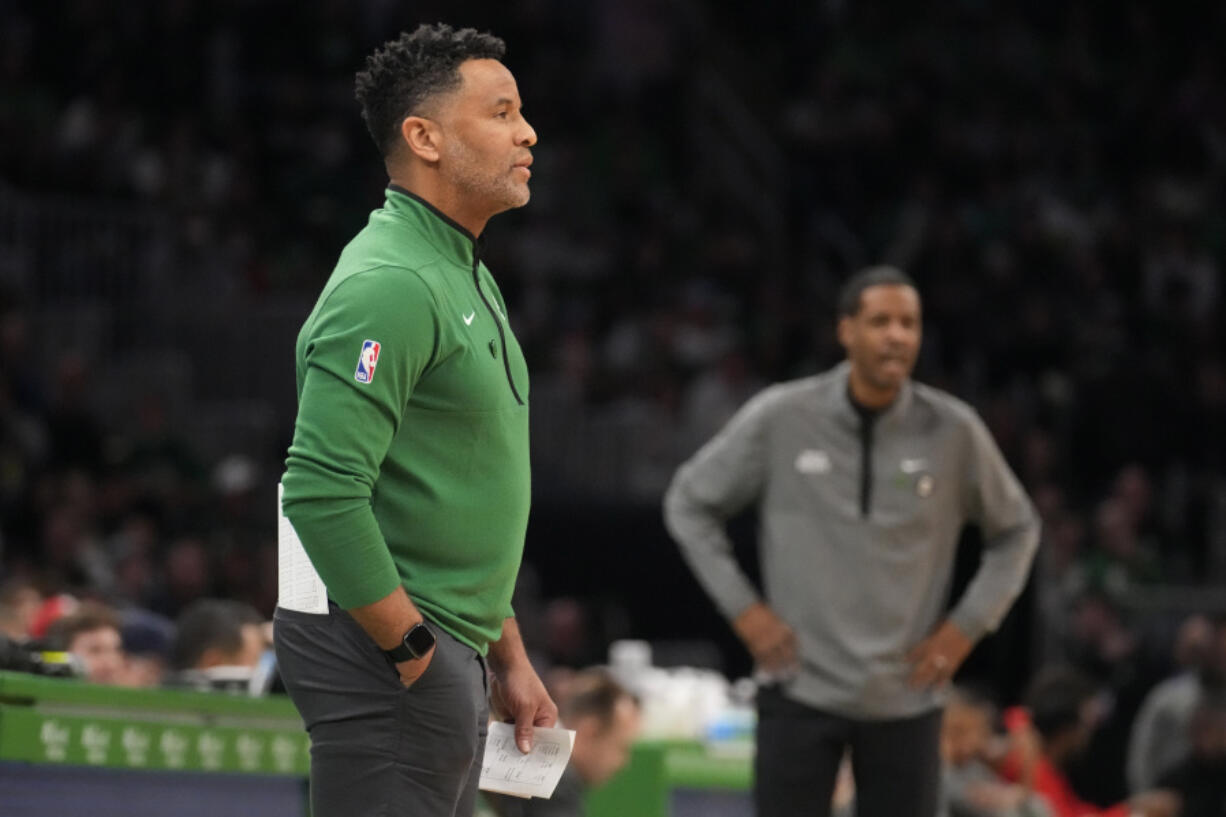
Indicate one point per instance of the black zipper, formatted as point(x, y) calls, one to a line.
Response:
point(502, 335)
point(866, 465)
point(472, 239)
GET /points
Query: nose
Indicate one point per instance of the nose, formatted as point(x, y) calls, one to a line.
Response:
point(899, 333)
point(527, 136)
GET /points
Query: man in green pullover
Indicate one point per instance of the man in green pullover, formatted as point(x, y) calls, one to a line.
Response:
point(407, 481)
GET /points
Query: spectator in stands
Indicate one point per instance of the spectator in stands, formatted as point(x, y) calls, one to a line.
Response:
point(1200, 780)
point(52, 609)
point(1100, 639)
point(1161, 734)
point(970, 784)
point(1121, 558)
point(1192, 642)
point(1061, 710)
point(605, 717)
point(147, 638)
point(218, 645)
point(74, 433)
point(91, 633)
point(19, 603)
point(187, 577)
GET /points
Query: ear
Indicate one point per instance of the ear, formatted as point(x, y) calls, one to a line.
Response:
point(422, 137)
point(845, 330)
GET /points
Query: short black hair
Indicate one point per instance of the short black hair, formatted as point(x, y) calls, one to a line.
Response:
point(595, 693)
point(883, 275)
point(86, 618)
point(1055, 698)
point(402, 75)
point(209, 624)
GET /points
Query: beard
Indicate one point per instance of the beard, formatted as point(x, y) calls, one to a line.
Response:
point(473, 175)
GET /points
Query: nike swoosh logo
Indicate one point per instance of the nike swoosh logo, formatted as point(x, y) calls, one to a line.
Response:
point(468, 319)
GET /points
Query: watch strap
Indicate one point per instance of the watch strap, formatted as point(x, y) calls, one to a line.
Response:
point(400, 653)
point(416, 642)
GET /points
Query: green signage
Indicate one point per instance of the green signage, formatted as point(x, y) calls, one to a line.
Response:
point(57, 721)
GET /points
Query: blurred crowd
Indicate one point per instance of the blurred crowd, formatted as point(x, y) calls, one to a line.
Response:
point(214, 644)
point(1050, 173)
point(1041, 758)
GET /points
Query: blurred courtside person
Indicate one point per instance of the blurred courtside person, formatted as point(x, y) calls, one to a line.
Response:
point(606, 720)
point(407, 480)
point(863, 481)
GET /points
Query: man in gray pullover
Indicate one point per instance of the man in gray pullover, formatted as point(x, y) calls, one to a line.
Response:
point(863, 481)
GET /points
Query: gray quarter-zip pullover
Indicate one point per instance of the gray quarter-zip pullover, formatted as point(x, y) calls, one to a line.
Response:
point(860, 570)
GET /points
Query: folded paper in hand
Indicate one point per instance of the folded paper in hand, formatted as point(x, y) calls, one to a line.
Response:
point(508, 771)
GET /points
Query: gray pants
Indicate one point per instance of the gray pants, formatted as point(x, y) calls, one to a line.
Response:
point(896, 763)
point(378, 749)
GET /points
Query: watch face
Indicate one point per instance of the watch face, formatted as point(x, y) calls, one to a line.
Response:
point(419, 640)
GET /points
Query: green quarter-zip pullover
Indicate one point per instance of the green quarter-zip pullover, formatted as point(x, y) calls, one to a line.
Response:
point(409, 463)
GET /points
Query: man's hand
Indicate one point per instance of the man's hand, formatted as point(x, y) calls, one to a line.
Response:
point(386, 621)
point(935, 659)
point(769, 639)
point(516, 692)
point(413, 669)
point(518, 696)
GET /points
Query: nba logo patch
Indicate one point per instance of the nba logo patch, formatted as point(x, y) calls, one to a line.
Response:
point(367, 360)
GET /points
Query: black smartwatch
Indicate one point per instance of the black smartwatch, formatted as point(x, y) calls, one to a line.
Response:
point(416, 643)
